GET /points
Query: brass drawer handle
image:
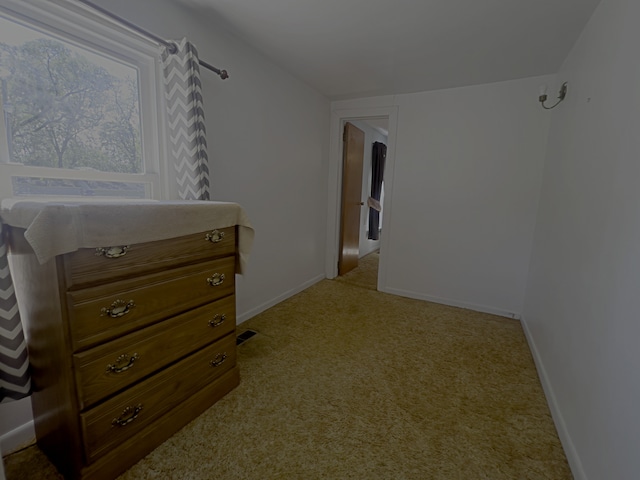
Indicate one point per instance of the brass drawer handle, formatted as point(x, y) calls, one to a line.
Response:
point(117, 309)
point(217, 320)
point(215, 236)
point(129, 414)
point(218, 360)
point(216, 279)
point(112, 252)
point(123, 363)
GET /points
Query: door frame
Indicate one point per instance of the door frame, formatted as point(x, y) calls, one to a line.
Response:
point(338, 118)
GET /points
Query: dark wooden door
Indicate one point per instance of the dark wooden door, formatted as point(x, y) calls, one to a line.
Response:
point(352, 158)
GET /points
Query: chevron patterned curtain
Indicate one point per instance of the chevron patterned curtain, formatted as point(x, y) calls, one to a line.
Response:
point(15, 381)
point(186, 120)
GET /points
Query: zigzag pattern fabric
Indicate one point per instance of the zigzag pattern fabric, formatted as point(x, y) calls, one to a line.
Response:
point(183, 92)
point(15, 381)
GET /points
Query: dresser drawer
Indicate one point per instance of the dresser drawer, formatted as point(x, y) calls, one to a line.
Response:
point(109, 311)
point(90, 266)
point(108, 368)
point(111, 423)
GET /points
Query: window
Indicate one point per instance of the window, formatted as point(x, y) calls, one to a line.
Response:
point(78, 105)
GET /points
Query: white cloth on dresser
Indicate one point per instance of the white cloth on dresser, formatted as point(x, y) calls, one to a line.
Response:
point(55, 227)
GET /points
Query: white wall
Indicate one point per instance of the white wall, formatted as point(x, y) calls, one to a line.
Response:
point(268, 145)
point(467, 171)
point(267, 135)
point(16, 425)
point(582, 299)
point(371, 135)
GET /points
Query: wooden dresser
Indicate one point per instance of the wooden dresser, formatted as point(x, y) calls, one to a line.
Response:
point(128, 343)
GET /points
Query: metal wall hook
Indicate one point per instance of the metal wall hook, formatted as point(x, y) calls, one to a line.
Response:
point(561, 95)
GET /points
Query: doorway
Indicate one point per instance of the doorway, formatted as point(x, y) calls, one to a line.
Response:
point(376, 122)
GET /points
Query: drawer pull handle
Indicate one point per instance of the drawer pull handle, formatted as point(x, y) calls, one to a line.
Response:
point(215, 236)
point(123, 363)
point(217, 320)
point(129, 414)
point(216, 279)
point(112, 252)
point(118, 308)
point(218, 360)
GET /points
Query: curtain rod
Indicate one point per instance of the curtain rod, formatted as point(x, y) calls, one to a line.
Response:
point(171, 46)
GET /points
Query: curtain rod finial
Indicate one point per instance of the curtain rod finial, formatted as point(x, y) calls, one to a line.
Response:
point(224, 74)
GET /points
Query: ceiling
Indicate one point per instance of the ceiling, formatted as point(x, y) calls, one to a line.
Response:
point(380, 124)
point(357, 48)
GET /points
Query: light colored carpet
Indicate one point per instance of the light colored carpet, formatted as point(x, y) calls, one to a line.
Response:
point(345, 382)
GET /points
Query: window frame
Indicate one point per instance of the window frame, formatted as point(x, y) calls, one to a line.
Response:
point(80, 25)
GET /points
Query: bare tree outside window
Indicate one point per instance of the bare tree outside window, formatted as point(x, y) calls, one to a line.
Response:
point(67, 107)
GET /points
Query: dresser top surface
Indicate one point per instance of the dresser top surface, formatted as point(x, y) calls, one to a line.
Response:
point(55, 227)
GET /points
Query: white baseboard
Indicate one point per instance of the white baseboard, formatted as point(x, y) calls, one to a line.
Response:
point(453, 303)
point(370, 247)
point(244, 316)
point(18, 438)
point(565, 438)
